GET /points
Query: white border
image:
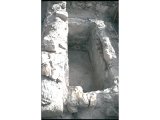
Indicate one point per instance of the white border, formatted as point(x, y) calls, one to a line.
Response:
point(139, 59)
point(20, 50)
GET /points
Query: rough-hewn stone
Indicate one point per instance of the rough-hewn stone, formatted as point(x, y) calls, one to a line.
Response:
point(78, 99)
point(54, 66)
point(52, 98)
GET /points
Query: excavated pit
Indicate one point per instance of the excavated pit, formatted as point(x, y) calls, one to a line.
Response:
point(81, 65)
point(81, 80)
point(80, 72)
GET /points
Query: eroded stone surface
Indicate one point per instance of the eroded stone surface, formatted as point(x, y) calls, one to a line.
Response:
point(92, 105)
point(52, 98)
point(54, 65)
point(78, 99)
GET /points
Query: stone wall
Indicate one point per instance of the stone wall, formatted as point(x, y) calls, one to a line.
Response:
point(54, 60)
point(92, 9)
point(79, 15)
point(78, 38)
point(103, 56)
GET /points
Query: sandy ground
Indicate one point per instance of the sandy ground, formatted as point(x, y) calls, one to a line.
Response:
point(80, 70)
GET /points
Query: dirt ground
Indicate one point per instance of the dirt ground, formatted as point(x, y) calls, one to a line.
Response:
point(80, 70)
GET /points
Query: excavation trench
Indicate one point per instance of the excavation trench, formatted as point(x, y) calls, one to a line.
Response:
point(86, 64)
point(80, 70)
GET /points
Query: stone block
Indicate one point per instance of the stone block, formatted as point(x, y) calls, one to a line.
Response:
point(62, 14)
point(51, 98)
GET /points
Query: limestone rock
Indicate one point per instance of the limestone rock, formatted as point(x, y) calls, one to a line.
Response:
point(54, 66)
point(78, 99)
point(56, 7)
point(84, 100)
point(52, 98)
point(72, 101)
point(55, 31)
point(63, 5)
point(63, 15)
point(106, 107)
point(92, 99)
point(46, 70)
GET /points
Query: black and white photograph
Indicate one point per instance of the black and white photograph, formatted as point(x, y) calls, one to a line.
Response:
point(80, 55)
point(79, 59)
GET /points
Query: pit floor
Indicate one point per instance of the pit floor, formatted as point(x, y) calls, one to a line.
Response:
point(80, 70)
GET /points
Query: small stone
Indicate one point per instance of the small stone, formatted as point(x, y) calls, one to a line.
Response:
point(72, 109)
point(93, 99)
point(83, 101)
point(46, 70)
point(63, 5)
point(56, 7)
point(107, 90)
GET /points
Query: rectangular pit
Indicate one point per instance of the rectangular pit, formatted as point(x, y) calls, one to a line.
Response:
point(80, 72)
point(86, 64)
